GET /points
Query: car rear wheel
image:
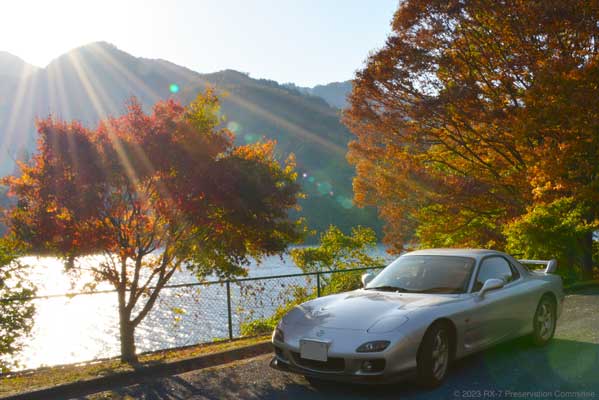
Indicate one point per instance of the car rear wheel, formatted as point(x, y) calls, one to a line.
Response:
point(544, 321)
point(434, 356)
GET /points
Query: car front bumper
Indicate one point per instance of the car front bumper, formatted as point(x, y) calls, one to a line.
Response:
point(337, 369)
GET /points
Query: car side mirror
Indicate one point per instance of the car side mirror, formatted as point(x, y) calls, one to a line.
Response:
point(366, 278)
point(491, 284)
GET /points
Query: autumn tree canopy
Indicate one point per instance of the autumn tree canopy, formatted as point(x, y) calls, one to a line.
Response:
point(473, 112)
point(154, 193)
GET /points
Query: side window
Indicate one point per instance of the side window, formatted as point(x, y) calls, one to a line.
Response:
point(493, 267)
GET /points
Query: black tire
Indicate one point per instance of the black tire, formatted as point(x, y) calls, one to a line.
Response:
point(544, 321)
point(434, 355)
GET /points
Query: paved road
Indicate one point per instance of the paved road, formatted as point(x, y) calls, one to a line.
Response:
point(568, 368)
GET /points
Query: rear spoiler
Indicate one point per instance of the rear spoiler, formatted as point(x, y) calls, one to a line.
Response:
point(551, 265)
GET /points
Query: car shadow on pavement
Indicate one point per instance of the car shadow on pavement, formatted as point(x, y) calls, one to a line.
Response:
point(515, 366)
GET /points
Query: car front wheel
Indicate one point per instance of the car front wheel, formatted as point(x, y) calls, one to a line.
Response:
point(434, 356)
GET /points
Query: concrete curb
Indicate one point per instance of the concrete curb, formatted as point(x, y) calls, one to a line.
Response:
point(84, 388)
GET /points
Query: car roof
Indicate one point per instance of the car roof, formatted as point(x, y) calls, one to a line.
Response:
point(474, 253)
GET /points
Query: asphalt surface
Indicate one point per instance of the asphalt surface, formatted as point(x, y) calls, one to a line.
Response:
point(567, 368)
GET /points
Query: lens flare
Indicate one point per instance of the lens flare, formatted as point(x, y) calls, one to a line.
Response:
point(324, 187)
point(174, 88)
point(234, 127)
point(250, 138)
point(344, 201)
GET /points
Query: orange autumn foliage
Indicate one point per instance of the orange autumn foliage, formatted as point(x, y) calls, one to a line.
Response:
point(472, 112)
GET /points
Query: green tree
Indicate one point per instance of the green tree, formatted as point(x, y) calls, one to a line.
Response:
point(555, 230)
point(16, 310)
point(335, 251)
point(338, 251)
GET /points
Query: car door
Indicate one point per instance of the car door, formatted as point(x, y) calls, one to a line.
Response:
point(493, 316)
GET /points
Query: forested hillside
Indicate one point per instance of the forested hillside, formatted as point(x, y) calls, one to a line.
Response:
point(96, 80)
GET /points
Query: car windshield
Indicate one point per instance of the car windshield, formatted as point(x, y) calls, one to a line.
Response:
point(425, 274)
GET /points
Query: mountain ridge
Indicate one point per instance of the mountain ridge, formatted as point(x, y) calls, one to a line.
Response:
point(13, 65)
point(315, 90)
point(334, 93)
point(94, 81)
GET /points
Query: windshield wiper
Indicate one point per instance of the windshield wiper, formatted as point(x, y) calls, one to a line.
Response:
point(388, 289)
point(440, 289)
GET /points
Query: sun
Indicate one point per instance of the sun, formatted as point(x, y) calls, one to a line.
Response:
point(39, 31)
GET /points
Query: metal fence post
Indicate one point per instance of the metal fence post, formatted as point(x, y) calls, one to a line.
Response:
point(318, 283)
point(229, 309)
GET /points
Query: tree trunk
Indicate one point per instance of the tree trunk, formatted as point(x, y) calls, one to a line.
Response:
point(127, 331)
point(587, 257)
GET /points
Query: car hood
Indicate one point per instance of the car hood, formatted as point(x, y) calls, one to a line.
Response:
point(362, 309)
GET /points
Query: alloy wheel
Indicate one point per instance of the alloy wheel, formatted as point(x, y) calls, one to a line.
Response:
point(545, 321)
point(440, 354)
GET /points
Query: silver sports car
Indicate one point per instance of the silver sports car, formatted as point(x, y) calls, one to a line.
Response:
point(412, 319)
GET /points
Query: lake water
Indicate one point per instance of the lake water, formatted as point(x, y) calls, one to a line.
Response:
point(85, 327)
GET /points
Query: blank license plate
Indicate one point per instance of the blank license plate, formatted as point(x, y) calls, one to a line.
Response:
point(313, 350)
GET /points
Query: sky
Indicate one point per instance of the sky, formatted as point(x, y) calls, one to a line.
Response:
point(306, 42)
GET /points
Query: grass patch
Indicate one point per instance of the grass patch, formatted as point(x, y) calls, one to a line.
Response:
point(46, 377)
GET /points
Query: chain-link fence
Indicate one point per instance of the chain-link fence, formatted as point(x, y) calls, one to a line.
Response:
point(80, 327)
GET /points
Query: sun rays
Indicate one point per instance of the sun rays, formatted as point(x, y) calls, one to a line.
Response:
point(75, 88)
point(21, 107)
point(292, 128)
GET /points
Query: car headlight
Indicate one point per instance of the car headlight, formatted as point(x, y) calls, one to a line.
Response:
point(278, 335)
point(373, 347)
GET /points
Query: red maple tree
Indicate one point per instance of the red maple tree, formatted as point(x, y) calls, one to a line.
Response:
point(153, 193)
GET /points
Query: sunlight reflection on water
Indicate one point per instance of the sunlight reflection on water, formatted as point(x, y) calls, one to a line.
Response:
point(85, 327)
